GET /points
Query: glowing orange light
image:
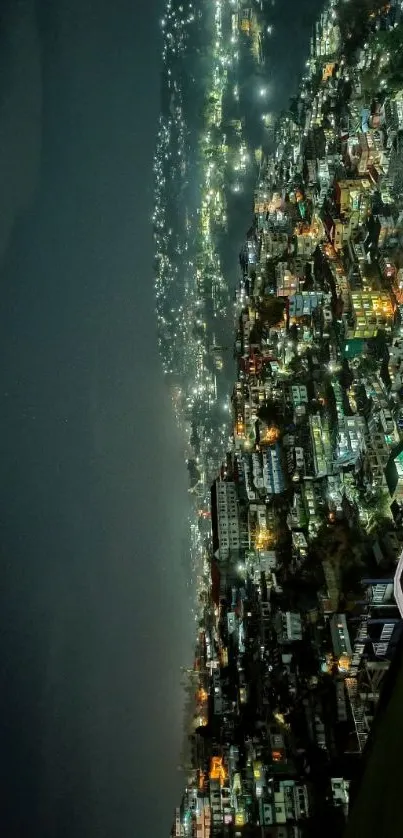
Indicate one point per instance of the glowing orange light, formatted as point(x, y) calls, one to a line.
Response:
point(271, 435)
point(240, 428)
point(217, 770)
point(344, 663)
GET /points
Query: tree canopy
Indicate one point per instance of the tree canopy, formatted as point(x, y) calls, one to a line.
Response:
point(271, 310)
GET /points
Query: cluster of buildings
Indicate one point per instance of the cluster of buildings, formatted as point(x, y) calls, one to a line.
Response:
point(302, 604)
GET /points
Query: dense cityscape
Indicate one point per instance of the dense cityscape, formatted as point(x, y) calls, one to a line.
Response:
point(285, 372)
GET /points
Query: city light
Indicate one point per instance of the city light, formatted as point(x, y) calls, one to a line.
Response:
point(284, 369)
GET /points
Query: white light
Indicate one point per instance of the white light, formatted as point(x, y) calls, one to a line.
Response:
point(397, 585)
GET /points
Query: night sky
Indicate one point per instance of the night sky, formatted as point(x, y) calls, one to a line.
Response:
point(93, 621)
point(94, 624)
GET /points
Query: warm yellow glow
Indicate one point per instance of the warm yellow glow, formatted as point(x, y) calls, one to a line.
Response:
point(240, 429)
point(217, 770)
point(264, 539)
point(257, 770)
point(344, 663)
point(328, 71)
point(271, 435)
point(224, 656)
point(279, 717)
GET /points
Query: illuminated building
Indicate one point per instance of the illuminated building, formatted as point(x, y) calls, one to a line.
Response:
point(273, 476)
point(322, 452)
point(264, 539)
point(336, 232)
point(328, 70)
point(303, 304)
point(245, 21)
point(225, 518)
point(340, 636)
point(394, 477)
point(370, 311)
point(290, 627)
point(388, 229)
point(354, 200)
point(299, 394)
point(203, 820)
point(275, 243)
point(369, 150)
point(217, 770)
point(340, 792)
point(286, 282)
point(238, 402)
